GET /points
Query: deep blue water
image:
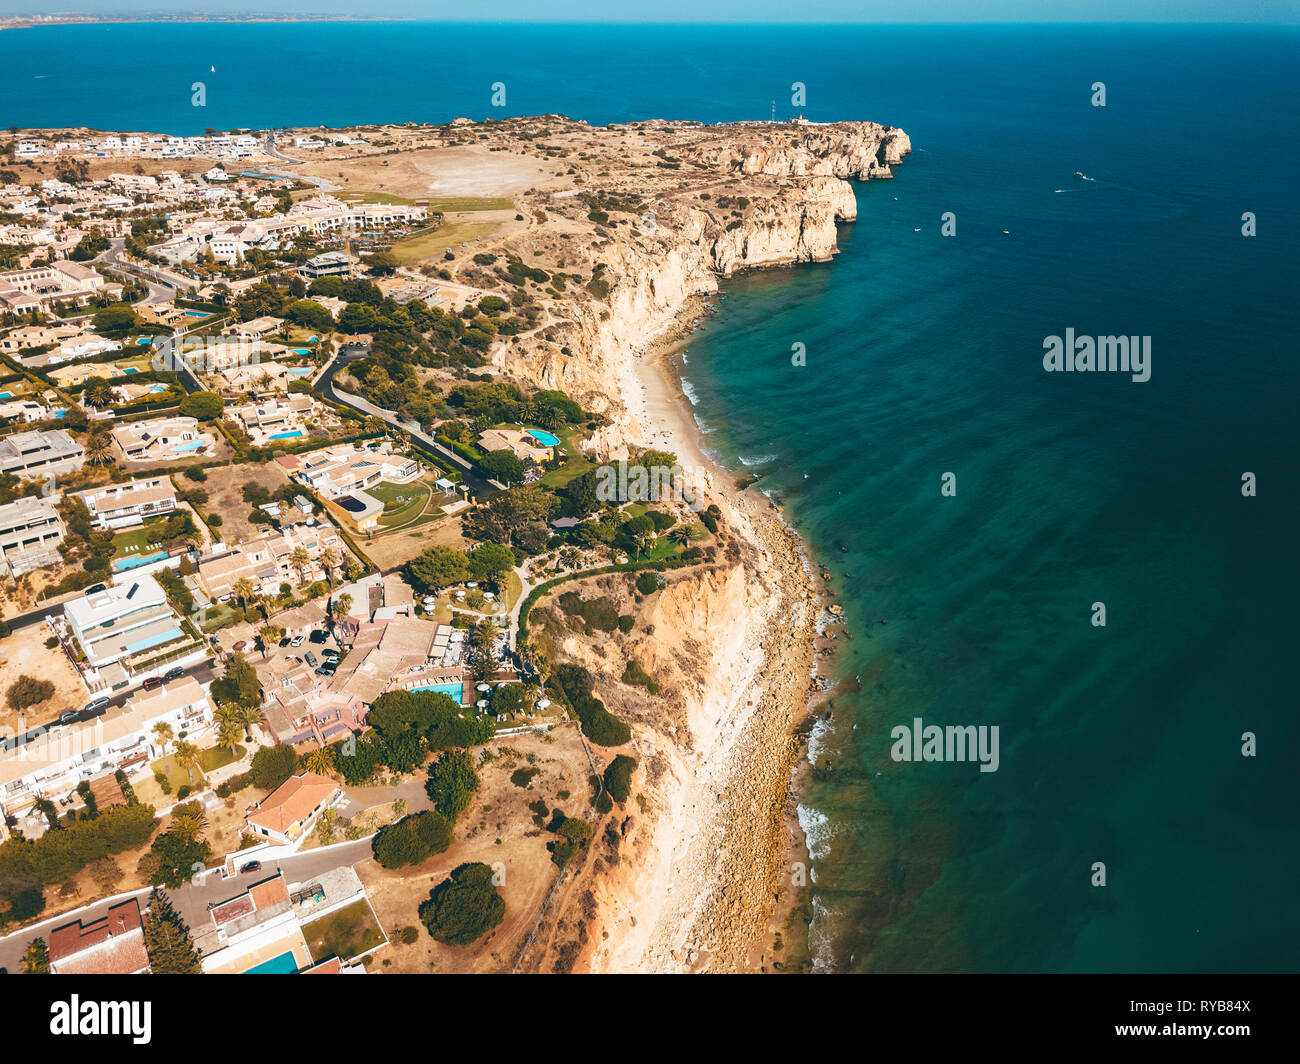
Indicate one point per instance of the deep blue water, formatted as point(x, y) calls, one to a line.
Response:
point(1119, 744)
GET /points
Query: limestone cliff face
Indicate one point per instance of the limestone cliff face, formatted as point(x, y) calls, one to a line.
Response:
point(792, 183)
point(860, 150)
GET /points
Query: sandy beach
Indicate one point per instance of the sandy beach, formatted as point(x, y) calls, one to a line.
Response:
point(714, 885)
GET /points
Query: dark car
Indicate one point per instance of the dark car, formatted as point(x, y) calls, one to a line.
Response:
point(93, 589)
point(174, 673)
point(285, 641)
point(71, 716)
point(96, 705)
point(252, 866)
point(318, 636)
point(328, 669)
point(330, 654)
point(312, 660)
point(152, 683)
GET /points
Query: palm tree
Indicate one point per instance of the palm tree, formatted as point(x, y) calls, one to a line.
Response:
point(269, 634)
point(189, 824)
point(300, 559)
point(243, 590)
point(99, 449)
point(644, 541)
point(681, 535)
point(187, 756)
point(321, 761)
point(248, 717)
point(340, 606)
point(229, 731)
point(329, 558)
point(164, 732)
point(98, 392)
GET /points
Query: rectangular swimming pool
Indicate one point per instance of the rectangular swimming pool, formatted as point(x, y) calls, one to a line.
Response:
point(284, 964)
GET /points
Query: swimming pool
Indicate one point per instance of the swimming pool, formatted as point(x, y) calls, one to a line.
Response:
point(129, 370)
point(196, 313)
point(123, 564)
point(285, 435)
point(187, 446)
point(6, 395)
point(284, 964)
point(144, 340)
point(301, 351)
point(546, 439)
point(300, 371)
point(451, 690)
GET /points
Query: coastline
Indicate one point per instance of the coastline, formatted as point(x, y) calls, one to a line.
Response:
point(745, 889)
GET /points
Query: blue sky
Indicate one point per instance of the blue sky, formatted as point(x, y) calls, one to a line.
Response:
point(1280, 11)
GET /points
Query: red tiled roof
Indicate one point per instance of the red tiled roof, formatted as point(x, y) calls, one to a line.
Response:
point(113, 945)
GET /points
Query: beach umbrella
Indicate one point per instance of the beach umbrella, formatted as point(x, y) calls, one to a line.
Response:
point(485, 687)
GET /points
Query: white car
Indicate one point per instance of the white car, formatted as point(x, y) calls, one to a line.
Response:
point(296, 641)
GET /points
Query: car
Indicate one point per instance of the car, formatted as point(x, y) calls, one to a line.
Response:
point(152, 683)
point(252, 866)
point(93, 589)
point(328, 669)
point(284, 642)
point(95, 705)
point(330, 654)
point(296, 641)
point(70, 716)
point(312, 660)
point(319, 636)
point(174, 673)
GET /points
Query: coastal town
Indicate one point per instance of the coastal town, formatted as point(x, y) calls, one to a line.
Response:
point(325, 645)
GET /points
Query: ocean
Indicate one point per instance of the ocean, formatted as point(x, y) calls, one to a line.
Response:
point(1120, 745)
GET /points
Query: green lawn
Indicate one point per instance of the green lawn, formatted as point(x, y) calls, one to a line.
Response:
point(432, 244)
point(345, 934)
point(469, 203)
point(577, 463)
point(137, 540)
point(178, 776)
point(416, 493)
point(366, 196)
point(215, 757)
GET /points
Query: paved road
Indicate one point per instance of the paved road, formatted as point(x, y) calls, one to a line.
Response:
point(479, 485)
point(192, 900)
point(162, 287)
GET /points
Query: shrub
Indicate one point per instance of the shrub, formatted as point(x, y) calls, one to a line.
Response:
point(452, 782)
point(523, 777)
point(647, 582)
point(412, 839)
point(573, 687)
point(625, 623)
point(464, 907)
point(618, 778)
point(635, 676)
point(28, 691)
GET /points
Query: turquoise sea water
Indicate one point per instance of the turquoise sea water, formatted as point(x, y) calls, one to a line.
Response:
point(1119, 744)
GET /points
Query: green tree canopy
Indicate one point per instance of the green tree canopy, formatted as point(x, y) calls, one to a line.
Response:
point(464, 907)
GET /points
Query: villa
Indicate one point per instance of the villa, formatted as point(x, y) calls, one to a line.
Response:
point(118, 633)
point(24, 410)
point(161, 438)
point(276, 419)
point(333, 472)
point(40, 452)
point(268, 562)
point(111, 945)
point(125, 505)
point(30, 532)
point(289, 812)
point(260, 928)
point(22, 291)
point(122, 739)
point(522, 443)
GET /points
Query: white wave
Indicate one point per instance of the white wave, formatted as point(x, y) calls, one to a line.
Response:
point(821, 937)
point(688, 390)
point(817, 738)
point(756, 459)
point(817, 831)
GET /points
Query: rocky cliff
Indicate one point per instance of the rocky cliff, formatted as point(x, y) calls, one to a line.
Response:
point(754, 196)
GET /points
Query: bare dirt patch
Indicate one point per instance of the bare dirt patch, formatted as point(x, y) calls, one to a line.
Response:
point(225, 496)
point(24, 653)
point(498, 830)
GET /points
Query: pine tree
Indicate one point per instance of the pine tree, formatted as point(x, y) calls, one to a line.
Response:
point(167, 939)
point(36, 961)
